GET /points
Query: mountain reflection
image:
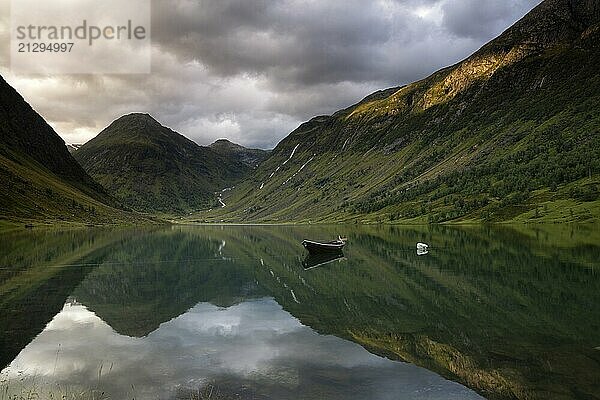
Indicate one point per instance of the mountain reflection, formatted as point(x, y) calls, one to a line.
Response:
point(511, 314)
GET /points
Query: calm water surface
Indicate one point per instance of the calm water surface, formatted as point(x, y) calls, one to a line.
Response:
point(243, 313)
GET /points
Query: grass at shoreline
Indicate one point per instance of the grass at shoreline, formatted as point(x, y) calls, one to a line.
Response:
point(553, 212)
point(19, 390)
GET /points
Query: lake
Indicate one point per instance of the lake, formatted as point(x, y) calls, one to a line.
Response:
point(241, 312)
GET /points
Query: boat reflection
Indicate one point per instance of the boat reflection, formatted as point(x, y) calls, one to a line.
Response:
point(315, 260)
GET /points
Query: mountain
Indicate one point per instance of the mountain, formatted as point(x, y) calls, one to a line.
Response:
point(153, 168)
point(250, 157)
point(509, 134)
point(39, 179)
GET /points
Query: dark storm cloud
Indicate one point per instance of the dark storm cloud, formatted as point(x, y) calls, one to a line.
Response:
point(483, 19)
point(297, 41)
point(306, 43)
point(252, 70)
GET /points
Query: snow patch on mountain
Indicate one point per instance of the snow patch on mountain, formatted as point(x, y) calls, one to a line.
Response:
point(279, 167)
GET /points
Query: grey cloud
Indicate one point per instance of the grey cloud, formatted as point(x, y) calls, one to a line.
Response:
point(254, 70)
point(312, 43)
point(483, 19)
point(305, 42)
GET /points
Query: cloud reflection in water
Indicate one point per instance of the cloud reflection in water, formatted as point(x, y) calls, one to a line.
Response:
point(254, 344)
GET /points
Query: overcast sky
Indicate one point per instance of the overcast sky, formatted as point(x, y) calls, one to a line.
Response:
point(253, 70)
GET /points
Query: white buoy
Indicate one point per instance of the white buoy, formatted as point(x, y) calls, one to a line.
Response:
point(422, 249)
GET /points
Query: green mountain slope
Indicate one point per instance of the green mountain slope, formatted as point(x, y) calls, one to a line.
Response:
point(510, 133)
point(152, 168)
point(39, 179)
